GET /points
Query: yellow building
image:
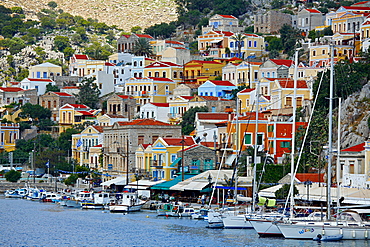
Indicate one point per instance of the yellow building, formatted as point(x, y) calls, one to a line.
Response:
point(178, 107)
point(197, 71)
point(164, 70)
point(247, 99)
point(9, 134)
point(282, 92)
point(87, 145)
point(45, 71)
point(149, 89)
point(161, 157)
point(72, 114)
point(213, 43)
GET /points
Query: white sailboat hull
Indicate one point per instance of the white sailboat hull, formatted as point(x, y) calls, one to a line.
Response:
point(265, 227)
point(306, 231)
point(236, 221)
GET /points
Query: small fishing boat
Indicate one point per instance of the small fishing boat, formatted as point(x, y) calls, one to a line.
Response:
point(127, 202)
point(201, 215)
point(100, 201)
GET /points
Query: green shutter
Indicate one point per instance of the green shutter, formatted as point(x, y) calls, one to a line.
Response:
point(248, 139)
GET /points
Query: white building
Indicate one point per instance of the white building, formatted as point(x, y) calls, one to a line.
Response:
point(157, 111)
point(38, 84)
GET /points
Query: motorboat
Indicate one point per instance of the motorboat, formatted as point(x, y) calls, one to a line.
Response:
point(126, 202)
point(201, 215)
point(215, 220)
point(100, 201)
point(17, 193)
point(50, 197)
point(186, 212)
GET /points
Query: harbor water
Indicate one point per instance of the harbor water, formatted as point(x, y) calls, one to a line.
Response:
point(29, 223)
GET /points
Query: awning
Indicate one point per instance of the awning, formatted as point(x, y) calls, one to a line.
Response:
point(143, 184)
point(175, 162)
point(229, 161)
point(115, 181)
point(230, 188)
point(216, 41)
point(195, 185)
point(168, 184)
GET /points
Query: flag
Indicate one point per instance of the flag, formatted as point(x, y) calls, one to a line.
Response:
point(47, 164)
point(79, 143)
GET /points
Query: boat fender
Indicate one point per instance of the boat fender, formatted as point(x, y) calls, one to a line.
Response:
point(323, 232)
point(366, 234)
point(147, 216)
point(353, 234)
point(341, 231)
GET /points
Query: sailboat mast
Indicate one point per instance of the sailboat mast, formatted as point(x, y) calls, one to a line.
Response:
point(255, 149)
point(293, 133)
point(338, 155)
point(330, 140)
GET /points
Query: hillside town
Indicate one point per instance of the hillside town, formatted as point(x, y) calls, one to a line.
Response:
point(242, 101)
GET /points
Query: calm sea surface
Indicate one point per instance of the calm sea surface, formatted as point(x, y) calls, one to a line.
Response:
point(27, 223)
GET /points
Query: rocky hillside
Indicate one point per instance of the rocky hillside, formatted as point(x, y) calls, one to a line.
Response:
point(354, 118)
point(123, 13)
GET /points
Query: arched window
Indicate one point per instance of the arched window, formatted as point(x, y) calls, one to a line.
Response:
point(135, 63)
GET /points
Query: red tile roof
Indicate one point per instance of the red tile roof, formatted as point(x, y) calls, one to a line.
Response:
point(313, 177)
point(226, 33)
point(147, 36)
point(228, 16)
point(79, 106)
point(125, 96)
point(178, 141)
point(98, 146)
point(14, 82)
point(71, 87)
point(149, 59)
point(99, 128)
point(174, 42)
point(188, 148)
point(223, 83)
point(251, 34)
point(289, 83)
point(363, 2)
point(150, 122)
point(160, 104)
point(285, 62)
point(37, 79)
point(357, 148)
point(63, 94)
point(313, 11)
point(109, 64)
point(11, 89)
point(235, 59)
point(145, 145)
point(247, 90)
point(162, 64)
point(179, 48)
point(83, 57)
point(356, 8)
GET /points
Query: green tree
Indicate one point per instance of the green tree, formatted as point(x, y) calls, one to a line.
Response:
point(163, 30)
point(65, 139)
point(61, 42)
point(289, 38)
point(283, 192)
point(239, 40)
point(235, 91)
point(13, 176)
point(142, 48)
point(52, 88)
point(89, 93)
point(36, 112)
point(82, 171)
point(71, 180)
point(188, 119)
point(96, 51)
point(136, 29)
point(17, 10)
point(52, 4)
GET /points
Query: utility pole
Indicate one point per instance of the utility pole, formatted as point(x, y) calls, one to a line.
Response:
point(11, 160)
point(127, 142)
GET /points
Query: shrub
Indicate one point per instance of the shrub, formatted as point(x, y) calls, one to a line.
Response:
point(13, 176)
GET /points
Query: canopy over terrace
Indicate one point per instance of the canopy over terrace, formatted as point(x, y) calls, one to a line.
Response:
point(200, 181)
point(168, 184)
point(115, 181)
point(143, 184)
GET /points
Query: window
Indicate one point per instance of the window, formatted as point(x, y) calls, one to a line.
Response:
point(140, 140)
point(45, 75)
point(156, 74)
point(255, 43)
point(231, 44)
point(270, 128)
point(164, 74)
point(248, 139)
point(285, 144)
point(288, 101)
point(174, 74)
point(259, 139)
point(135, 63)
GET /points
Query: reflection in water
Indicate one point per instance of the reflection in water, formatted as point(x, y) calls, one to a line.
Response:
point(26, 223)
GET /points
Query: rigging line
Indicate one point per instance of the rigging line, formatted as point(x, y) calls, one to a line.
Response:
point(306, 133)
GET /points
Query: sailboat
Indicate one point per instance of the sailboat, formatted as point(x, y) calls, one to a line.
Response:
point(348, 224)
